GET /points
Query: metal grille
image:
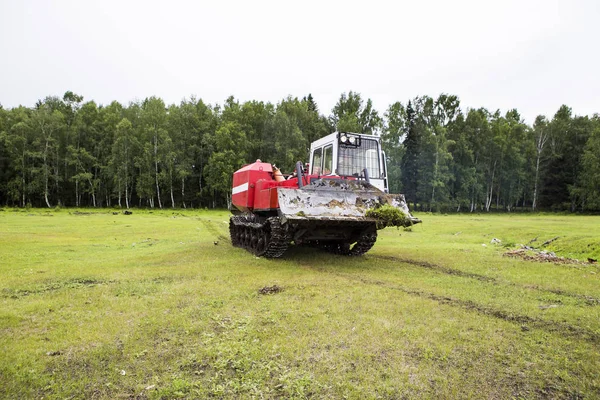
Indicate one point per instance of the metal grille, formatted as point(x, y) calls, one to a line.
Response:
point(352, 160)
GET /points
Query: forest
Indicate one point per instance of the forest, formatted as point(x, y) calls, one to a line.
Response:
point(65, 152)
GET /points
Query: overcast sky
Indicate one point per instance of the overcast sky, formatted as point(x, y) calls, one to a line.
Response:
point(529, 55)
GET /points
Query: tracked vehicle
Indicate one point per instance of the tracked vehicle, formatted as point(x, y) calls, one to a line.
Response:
point(338, 202)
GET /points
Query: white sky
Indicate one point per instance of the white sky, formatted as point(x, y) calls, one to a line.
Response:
point(529, 55)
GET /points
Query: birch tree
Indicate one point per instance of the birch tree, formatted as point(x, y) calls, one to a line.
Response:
point(46, 125)
point(541, 135)
point(154, 117)
point(124, 151)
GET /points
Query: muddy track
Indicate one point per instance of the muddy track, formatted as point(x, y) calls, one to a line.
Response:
point(561, 328)
point(210, 226)
point(437, 268)
point(589, 300)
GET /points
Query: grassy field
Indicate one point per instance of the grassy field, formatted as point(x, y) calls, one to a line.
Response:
point(96, 305)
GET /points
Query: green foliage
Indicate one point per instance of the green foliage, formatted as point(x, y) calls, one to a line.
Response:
point(67, 152)
point(589, 184)
point(388, 215)
point(351, 115)
point(392, 138)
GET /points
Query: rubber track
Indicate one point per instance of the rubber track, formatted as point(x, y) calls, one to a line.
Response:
point(364, 244)
point(279, 239)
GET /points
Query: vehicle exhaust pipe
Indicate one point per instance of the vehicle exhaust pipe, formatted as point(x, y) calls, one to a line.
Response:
point(299, 173)
point(367, 179)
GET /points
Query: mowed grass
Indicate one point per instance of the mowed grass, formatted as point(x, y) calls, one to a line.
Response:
point(96, 305)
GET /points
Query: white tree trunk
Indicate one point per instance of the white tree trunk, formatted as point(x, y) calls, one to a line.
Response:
point(183, 192)
point(126, 197)
point(93, 192)
point(23, 180)
point(156, 169)
point(490, 192)
point(119, 192)
point(46, 175)
point(541, 143)
point(535, 186)
point(171, 188)
point(126, 178)
point(76, 192)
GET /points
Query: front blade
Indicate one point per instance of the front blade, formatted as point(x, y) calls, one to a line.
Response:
point(340, 200)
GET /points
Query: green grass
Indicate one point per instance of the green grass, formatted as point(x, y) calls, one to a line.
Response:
point(96, 305)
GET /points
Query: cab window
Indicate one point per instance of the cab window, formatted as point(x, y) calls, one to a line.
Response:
point(316, 164)
point(372, 162)
point(327, 160)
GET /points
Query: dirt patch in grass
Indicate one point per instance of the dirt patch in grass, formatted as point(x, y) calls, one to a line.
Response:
point(166, 279)
point(531, 254)
point(81, 213)
point(270, 290)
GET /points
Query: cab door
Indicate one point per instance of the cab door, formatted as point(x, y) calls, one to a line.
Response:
point(322, 161)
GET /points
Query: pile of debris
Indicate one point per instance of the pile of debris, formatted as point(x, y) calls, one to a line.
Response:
point(532, 254)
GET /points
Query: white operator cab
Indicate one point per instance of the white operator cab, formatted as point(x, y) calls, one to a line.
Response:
point(348, 154)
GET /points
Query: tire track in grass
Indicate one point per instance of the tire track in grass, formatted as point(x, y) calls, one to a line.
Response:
point(80, 283)
point(437, 268)
point(210, 226)
point(589, 300)
point(562, 328)
point(52, 286)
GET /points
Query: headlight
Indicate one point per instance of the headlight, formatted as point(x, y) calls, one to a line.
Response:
point(349, 139)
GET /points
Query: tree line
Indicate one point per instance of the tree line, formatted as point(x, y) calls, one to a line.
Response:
point(67, 152)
